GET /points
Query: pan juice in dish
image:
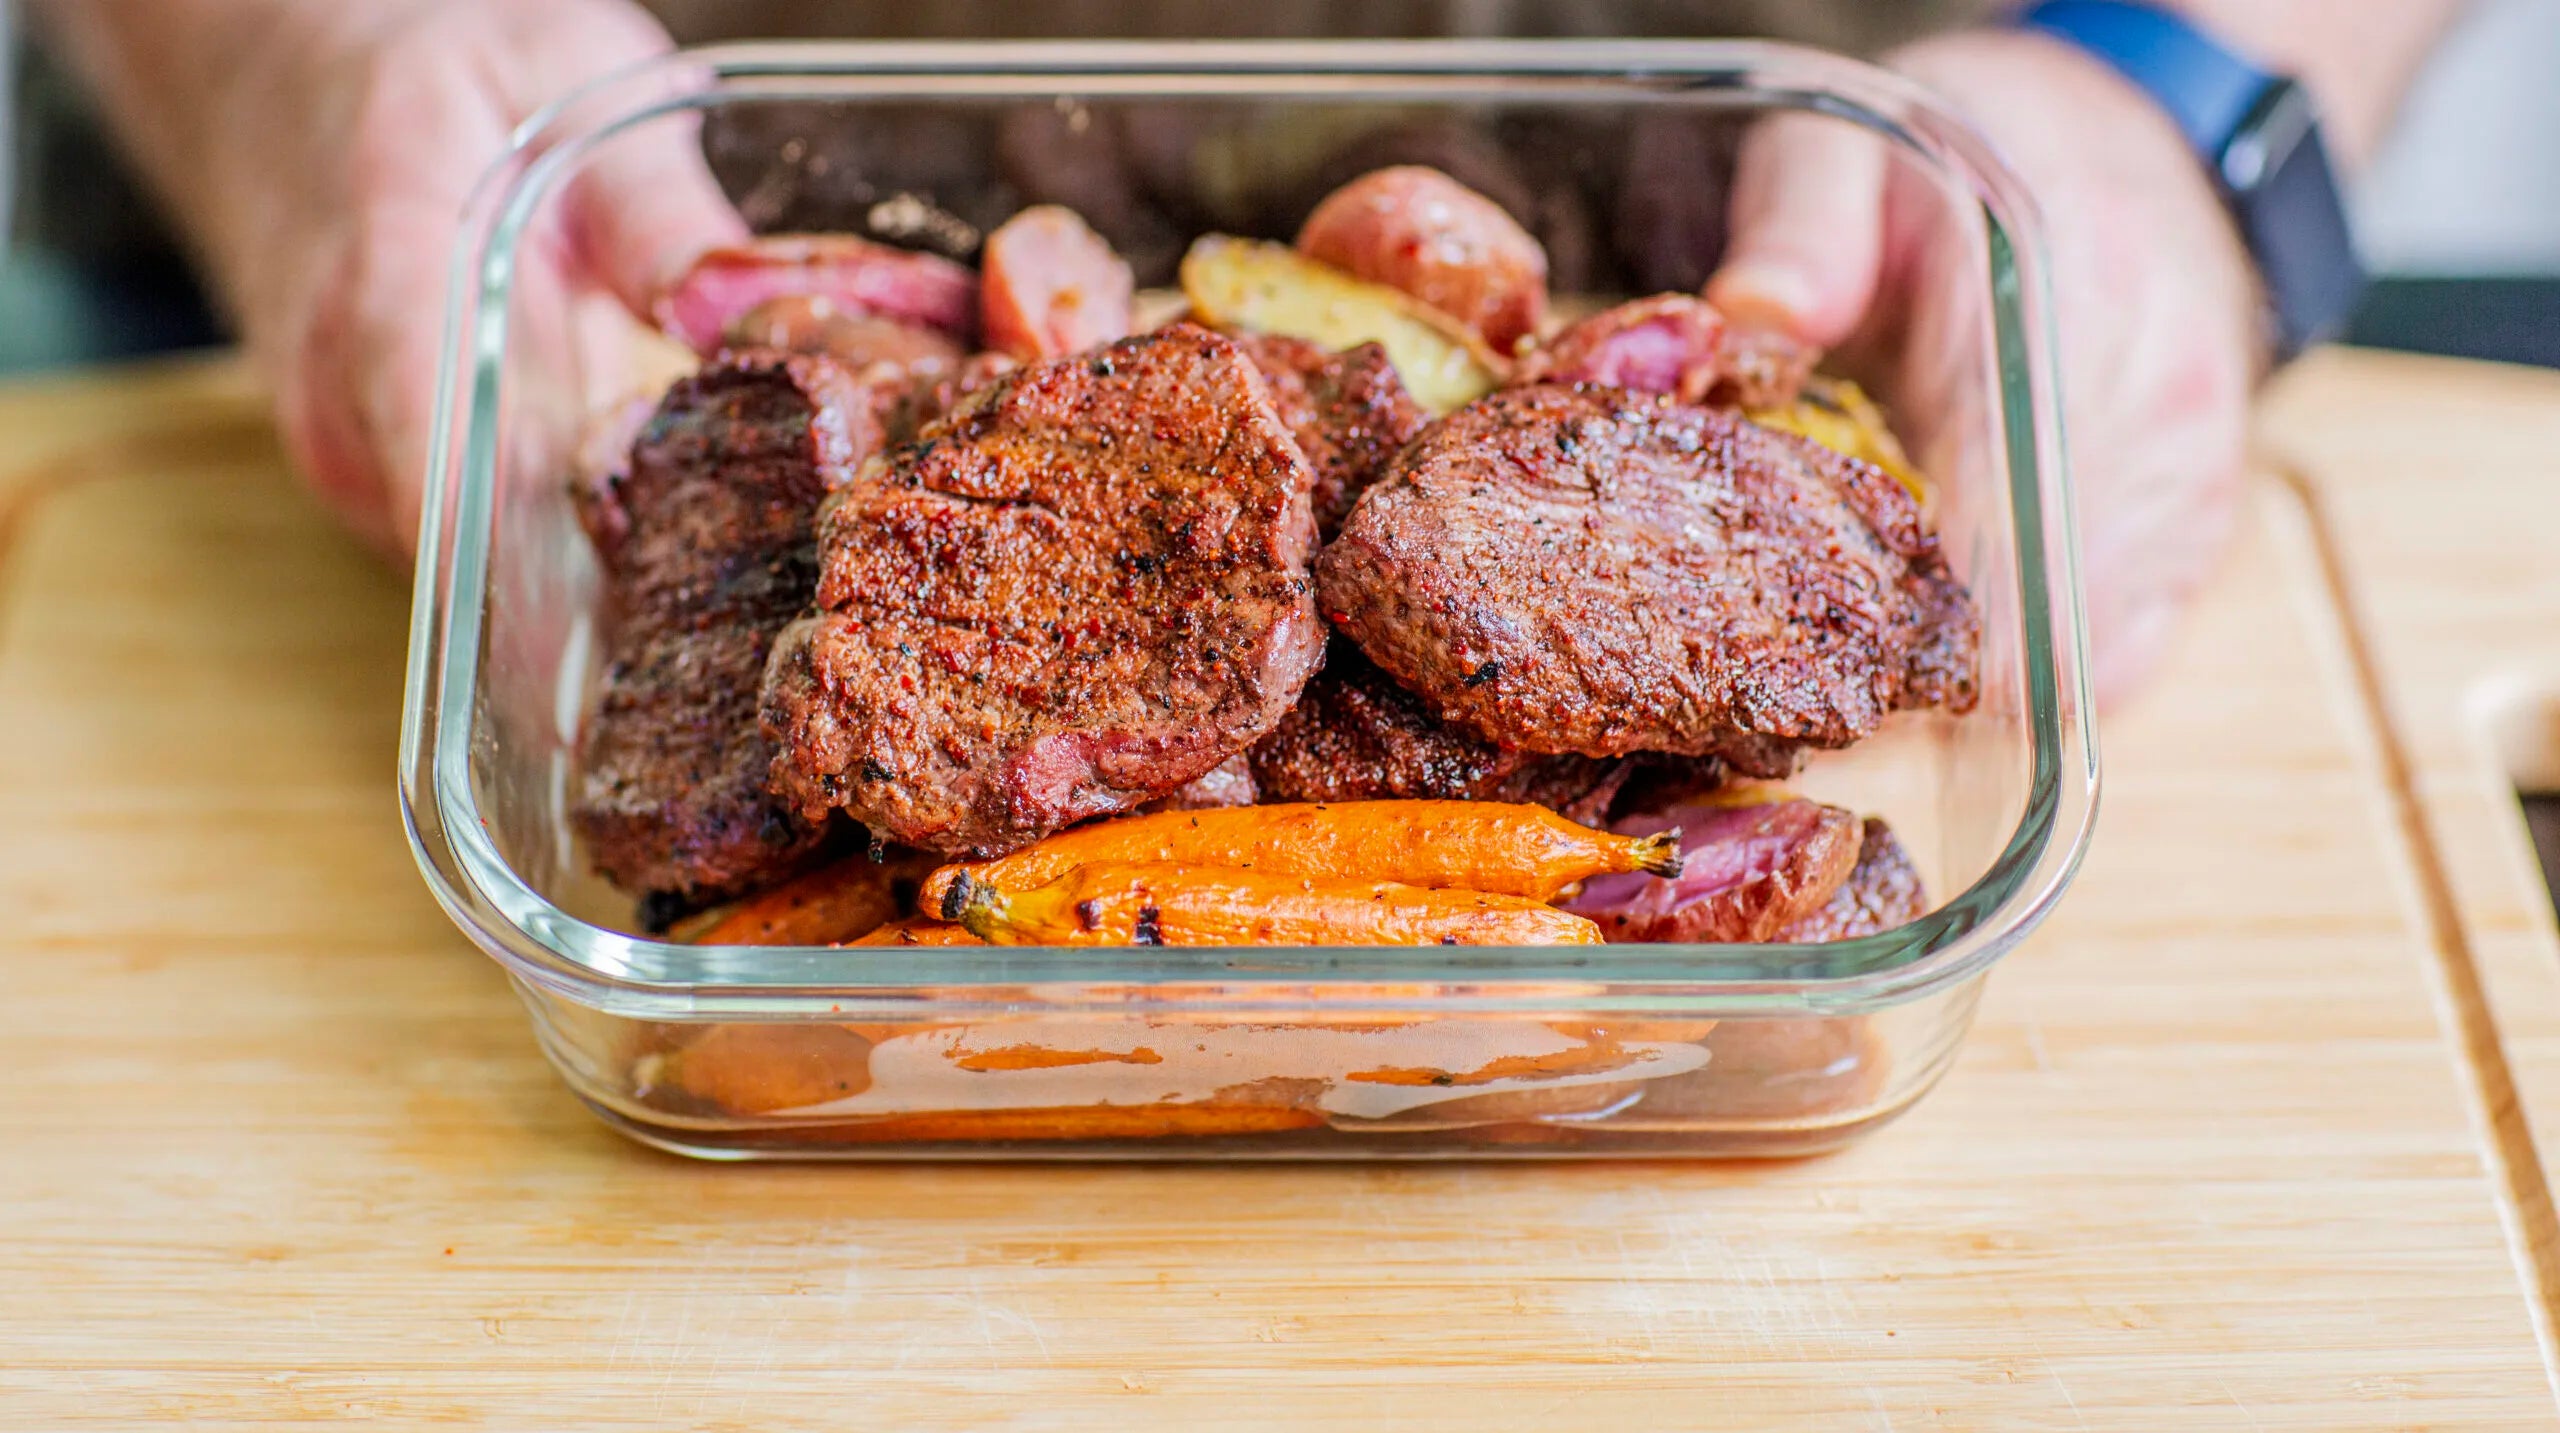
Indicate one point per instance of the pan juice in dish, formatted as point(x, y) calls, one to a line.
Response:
point(1155, 617)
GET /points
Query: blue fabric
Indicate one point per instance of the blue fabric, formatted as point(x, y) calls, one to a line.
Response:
point(2206, 88)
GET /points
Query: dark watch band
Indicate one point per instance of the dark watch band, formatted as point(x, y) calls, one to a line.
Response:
point(2257, 133)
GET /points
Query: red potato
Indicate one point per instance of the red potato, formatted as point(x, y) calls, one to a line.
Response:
point(1420, 231)
point(1669, 343)
point(1052, 286)
point(855, 275)
point(1679, 345)
point(812, 323)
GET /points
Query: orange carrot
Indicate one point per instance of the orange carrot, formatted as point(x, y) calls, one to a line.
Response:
point(918, 932)
point(835, 903)
point(1166, 904)
point(1496, 847)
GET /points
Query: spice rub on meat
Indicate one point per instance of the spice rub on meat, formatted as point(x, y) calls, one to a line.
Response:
point(1582, 569)
point(1357, 736)
point(1349, 412)
point(711, 554)
point(1075, 594)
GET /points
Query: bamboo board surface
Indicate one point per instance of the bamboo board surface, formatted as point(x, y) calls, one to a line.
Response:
point(2244, 1139)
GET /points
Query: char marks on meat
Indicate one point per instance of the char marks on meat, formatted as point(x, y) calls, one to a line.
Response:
point(1349, 412)
point(1229, 783)
point(1357, 736)
point(714, 556)
point(1582, 569)
point(1749, 870)
point(1079, 592)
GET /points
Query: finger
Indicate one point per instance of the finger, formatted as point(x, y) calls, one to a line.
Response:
point(642, 205)
point(645, 207)
point(1807, 228)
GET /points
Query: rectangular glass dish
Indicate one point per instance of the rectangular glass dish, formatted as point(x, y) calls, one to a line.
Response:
point(1167, 1052)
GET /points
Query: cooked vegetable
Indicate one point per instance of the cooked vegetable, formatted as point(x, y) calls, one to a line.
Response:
point(831, 905)
point(918, 932)
point(1414, 228)
point(1153, 903)
point(1503, 849)
point(1270, 288)
point(1840, 416)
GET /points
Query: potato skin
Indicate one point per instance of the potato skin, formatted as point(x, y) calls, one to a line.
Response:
point(1416, 229)
point(1252, 287)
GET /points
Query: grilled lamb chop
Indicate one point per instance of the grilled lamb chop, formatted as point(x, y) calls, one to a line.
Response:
point(1583, 569)
point(1357, 736)
point(711, 553)
point(1348, 411)
point(1229, 783)
point(1081, 590)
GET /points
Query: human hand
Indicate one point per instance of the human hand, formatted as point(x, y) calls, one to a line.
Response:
point(2155, 299)
point(339, 175)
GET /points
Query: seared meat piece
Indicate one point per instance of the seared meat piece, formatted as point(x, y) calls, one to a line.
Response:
point(1748, 871)
point(1051, 286)
point(856, 275)
point(1348, 411)
point(1761, 368)
point(1883, 891)
point(601, 465)
point(1679, 345)
point(1576, 569)
point(1357, 736)
point(1083, 589)
point(715, 555)
point(1229, 783)
point(1414, 228)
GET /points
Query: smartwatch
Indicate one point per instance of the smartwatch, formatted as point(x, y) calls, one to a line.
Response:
point(2258, 136)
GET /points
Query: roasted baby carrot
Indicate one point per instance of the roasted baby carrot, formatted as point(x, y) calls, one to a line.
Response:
point(835, 903)
point(918, 932)
point(1158, 903)
point(1504, 849)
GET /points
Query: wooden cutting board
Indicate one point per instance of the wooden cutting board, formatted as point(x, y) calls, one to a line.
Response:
point(2245, 1139)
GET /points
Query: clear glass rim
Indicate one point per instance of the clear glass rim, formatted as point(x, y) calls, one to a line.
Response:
point(546, 946)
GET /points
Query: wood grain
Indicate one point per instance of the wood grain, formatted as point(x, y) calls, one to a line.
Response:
point(276, 1146)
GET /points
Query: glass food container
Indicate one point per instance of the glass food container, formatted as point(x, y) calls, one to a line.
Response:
point(1619, 155)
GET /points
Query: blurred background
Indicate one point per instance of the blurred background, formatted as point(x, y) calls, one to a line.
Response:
point(2460, 216)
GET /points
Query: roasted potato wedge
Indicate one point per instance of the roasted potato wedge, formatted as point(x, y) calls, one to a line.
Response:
point(1271, 288)
point(1840, 416)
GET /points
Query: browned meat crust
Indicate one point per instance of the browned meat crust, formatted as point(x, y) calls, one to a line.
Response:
point(1078, 592)
point(1357, 736)
point(1581, 569)
point(1884, 890)
point(1229, 783)
point(1348, 411)
point(715, 555)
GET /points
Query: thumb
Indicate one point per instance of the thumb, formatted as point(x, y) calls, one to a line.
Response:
point(645, 207)
point(642, 205)
point(1806, 230)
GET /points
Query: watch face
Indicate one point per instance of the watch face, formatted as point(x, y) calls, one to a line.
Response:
point(2285, 197)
